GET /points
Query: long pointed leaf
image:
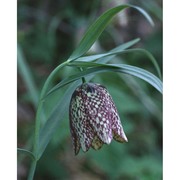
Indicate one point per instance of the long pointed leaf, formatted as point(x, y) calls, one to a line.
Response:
point(99, 68)
point(111, 52)
point(119, 51)
point(127, 69)
point(149, 55)
point(98, 27)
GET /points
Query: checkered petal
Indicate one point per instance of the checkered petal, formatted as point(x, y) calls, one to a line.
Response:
point(75, 139)
point(81, 131)
point(98, 106)
point(94, 120)
point(117, 129)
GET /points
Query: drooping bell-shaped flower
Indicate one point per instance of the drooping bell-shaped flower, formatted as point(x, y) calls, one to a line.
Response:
point(94, 119)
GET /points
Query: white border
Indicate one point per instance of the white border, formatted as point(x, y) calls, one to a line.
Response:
point(171, 98)
point(171, 81)
point(8, 74)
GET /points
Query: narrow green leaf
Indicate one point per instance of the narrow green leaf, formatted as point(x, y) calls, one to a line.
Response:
point(25, 151)
point(148, 54)
point(99, 68)
point(144, 13)
point(98, 27)
point(116, 50)
point(123, 68)
point(125, 45)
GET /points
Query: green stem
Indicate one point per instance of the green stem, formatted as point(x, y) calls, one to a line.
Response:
point(32, 170)
point(83, 78)
point(38, 118)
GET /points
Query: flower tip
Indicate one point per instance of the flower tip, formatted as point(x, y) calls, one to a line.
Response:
point(125, 139)
point(108, 141)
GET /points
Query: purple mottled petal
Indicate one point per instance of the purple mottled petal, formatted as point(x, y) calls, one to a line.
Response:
point(94, 119)
point(75, 140)
point(118, 132)
point(86, 136)
point(97, 104)
point(78, 119)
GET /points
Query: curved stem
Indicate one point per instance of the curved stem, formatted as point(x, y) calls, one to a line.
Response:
point(50, 77)
point(32, 170)
point(38, 118)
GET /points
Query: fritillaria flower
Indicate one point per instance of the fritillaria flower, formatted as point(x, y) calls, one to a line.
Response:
point(94, 119)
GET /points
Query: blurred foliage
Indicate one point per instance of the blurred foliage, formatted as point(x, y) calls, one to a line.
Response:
point(48, 32)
